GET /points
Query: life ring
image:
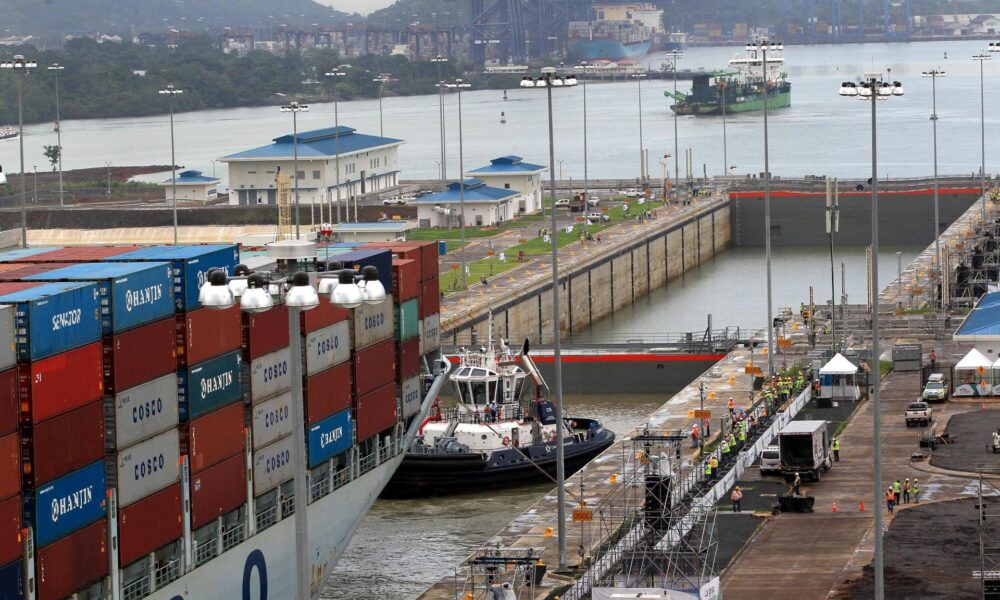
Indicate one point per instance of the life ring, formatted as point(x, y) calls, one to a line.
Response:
point(505, 441)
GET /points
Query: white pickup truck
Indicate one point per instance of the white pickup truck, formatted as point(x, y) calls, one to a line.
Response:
point(918, 413)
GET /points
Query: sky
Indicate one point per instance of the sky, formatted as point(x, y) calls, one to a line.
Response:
point(361, 6)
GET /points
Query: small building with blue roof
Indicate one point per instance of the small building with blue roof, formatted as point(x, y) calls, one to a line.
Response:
point(512, 173)
point(485, 206)
point(192, 185)
point(368, 163)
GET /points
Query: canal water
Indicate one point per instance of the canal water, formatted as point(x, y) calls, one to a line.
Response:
point(821, 133)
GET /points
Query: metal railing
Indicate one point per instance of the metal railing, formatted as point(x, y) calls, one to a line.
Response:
point(134, 590)
point(167, 572)
point(232, 537)
point(205, 552)
point(267, 518)
point(288, 506)
point(319, 488)
point(689, 341)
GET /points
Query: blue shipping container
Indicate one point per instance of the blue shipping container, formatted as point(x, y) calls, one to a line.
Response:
point(330, 437)
point(191, 265)
point(209, 385)
point(11, 577)
point(18, 253)
point(69, 503)
point(132, 294)
point(378, 258)
point(54, 317)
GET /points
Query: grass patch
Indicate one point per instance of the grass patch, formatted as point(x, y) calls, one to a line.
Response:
point(926, 310)
point(884, 367)
point(451, 280)
point(435, 233)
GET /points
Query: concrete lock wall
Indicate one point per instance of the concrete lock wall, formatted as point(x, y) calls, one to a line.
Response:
point(608, 283)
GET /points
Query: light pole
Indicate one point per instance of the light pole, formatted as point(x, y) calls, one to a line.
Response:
point(439, 60)
point(723, 87)
point(381, 80)
point(642, 152)
point(21, 65)
point(34, 177)
point(108, 164)
point(674, 55)
point(763, 46)
point(585, 66)
point(55, 68)
point(295, 108)
point(336, 73)
point(459, 85)
point(934, 74)
point(982, 58)
point(170, 91)
point(300, 296)
point(548, 80)
point(872, 89)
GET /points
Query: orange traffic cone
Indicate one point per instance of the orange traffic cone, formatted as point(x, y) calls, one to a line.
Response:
point(862, 506)
point(834, 506)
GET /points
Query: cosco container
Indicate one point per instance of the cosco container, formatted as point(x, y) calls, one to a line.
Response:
point(69, 503)
point(60, 383)
point(149, 524)
point(7, 354)
point(190, 267)
point(265, 332)
point(430, 340)
point(210, 385)
point(140, 355)
point(328, 392)
point(408, 358)
point(430, 298)
point(328, 346)
point(270, 375)
point(65, 443)
point(131, 294)
point(272, 465)
point(72, 563)
point(76, 254)
point(330, 437)
point(272, 419)
point(372, 323)
point(10, 465)
point(406, 323)
point(145, 410)
point(218, 490)
point(206, 333)
point(376, 411)
point(405, 279)
point(10, 408)
point(323, 315)
point(148, 467)
point(374, 367)
point(214, 437)
point(379, 258)
point(10, 530)
point(54, 317)
point(410, 397)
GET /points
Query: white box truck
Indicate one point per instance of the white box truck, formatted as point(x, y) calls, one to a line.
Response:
point(804, 448)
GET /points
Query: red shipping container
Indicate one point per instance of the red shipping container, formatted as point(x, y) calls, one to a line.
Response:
point(9, 287)
point(376, 411)
point(60, 383)
point(139, 355)
point(405, 280)
point(218, 490)
point(429, 268)
point(206, 333)
point(64, 443)
point(71, 563)
point(9, 408)
point(265, 332)
point(10, 465)
point(211, 439)
point(374, 367)
point(10, 530)
point(149, 524)
point(321, 316)
point(430, 298)
point(408, 358)
point(78, 254)
point(328, 392)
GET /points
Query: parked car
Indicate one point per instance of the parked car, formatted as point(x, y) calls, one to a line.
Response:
point(593, 200)
point(918, 413)
point(598, 217)
point(630, 192)
point(562, 203)
point(936, 389)
point(398, 200)
point(770, 460)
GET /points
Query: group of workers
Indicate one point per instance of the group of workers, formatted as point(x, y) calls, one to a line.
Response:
point(899, 493)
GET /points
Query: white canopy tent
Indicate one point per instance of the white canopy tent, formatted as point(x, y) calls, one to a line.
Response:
point(838, 379)
point(972, 375)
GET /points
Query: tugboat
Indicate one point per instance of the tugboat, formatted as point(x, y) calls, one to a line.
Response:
point(501, 432)
point(8, 133)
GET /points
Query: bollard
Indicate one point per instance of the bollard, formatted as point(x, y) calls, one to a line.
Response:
point(862, 506)
point(548, 532)
point(834, 506)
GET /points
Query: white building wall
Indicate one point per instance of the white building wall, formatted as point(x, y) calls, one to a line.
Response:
point(190, 192)
point(477, 214)
point(530, 187)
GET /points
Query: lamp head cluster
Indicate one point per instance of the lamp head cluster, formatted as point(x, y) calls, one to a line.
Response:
point(439, 59)
point(294, 106)
point(18, 63)
point(763, 45)
point(338, 71)
point(549, 78)
point(933, 73)
point(171, 90)
point(871, 87)
point(982, 56)
point(458, 84)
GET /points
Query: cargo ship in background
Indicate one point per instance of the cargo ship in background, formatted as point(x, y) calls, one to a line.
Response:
point(739, 89)
point(148, 441)
point(616, 32)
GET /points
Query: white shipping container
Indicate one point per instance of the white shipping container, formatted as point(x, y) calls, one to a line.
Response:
point(410, 396)
point(145, 410)
point(270, 375)
point(373, 323)
point(7, 355)
point(272, 419)
point(330, 346)
point(148, 467)
point(430, 334)
point(272, 465)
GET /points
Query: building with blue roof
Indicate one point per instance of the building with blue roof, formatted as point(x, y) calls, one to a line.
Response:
point(981, 327)
point(368, 163)
point(512, 173)
point(381, 231)
point(192, 185)
point(485, 206)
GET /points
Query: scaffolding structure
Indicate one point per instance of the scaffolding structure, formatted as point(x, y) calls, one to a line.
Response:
point(284, 207)
point(502, 574)
point(974, 263)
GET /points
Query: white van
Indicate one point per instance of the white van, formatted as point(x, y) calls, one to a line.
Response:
point(770, 460)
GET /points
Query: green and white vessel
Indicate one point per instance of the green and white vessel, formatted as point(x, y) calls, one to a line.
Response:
point(739, 89)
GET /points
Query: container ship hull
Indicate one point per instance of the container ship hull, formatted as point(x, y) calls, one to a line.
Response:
point(742, 104)
point(607, 49)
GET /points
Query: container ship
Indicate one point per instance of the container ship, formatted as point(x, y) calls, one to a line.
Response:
point(617, 32)
point(148, 438)
point(738, 89)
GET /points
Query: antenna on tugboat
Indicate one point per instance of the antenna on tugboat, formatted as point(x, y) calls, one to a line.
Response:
point(525, 348)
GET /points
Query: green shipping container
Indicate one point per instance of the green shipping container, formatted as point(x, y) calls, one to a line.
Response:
point(405, 323)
